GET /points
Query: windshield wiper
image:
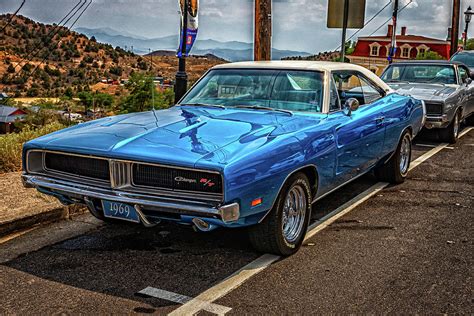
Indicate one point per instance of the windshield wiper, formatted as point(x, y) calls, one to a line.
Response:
point(398, 81)
point(204, 104)
point(256, 107)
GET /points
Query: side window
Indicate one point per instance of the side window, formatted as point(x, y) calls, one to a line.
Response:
point(298, 91)
point(463, 74)
point(371, 94)
point(348, 86)
point(334, 101)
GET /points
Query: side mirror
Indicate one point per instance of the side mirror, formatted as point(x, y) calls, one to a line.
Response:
point(351, 105)
point(468, 81)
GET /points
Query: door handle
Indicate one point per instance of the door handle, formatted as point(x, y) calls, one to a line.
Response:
point(380, 120)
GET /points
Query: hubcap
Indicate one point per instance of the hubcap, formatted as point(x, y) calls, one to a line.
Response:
point(294, 213)
point(405, 150)
point(456, 126)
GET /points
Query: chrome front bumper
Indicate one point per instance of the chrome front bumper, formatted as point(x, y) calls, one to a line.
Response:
point(437, 121)
point(71, 192)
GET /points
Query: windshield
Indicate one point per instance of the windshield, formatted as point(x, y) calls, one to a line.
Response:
point(256, 88)
point(466, 59)
point(443, 74)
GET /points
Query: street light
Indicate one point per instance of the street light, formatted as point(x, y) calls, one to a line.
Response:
point(468, 16)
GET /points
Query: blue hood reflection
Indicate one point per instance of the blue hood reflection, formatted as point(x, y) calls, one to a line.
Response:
point(181, 135)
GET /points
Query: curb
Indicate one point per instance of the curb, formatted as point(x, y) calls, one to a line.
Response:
point(49, 216)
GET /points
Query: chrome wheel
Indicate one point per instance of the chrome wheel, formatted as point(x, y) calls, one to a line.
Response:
point(294, 213)
point(456, 126)
point(405, 153)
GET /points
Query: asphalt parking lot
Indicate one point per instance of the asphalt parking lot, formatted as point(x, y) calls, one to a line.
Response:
point(407, 249)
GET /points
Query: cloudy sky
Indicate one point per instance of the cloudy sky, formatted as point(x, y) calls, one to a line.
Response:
point(297, 24)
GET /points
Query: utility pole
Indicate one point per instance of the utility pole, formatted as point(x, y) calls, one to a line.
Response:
point(153, 79)
point(345, 22)
point(393, 48)
point(455, 26)
point(263, 30)
point(181, 84)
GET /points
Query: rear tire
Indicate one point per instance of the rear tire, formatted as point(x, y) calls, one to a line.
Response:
point(396, 169)
point(283, 230)
point(470, 120)
point(450, 134)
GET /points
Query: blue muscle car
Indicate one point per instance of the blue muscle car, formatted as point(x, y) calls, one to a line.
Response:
point(251, 144)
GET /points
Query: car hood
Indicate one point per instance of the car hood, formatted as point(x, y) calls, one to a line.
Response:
point(179, 135)
point(425, 91)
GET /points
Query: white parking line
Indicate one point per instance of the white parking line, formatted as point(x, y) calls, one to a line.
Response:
point(238, 278)
point(425, 145)
point(182, 299)
point(464, 132)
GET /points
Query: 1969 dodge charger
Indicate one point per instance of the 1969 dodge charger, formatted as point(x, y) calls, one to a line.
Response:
point(251, 144)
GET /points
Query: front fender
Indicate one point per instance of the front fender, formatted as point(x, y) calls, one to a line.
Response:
point(261, 174)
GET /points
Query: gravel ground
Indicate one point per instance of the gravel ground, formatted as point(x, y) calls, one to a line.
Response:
point(17, 201)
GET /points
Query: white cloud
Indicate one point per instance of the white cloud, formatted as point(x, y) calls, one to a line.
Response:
point(297, 24)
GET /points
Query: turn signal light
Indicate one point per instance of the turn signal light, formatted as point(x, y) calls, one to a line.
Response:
point(256, 202)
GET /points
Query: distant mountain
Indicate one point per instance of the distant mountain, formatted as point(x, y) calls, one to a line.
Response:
point(107, 31)
point(231, 51)
point(71, 62)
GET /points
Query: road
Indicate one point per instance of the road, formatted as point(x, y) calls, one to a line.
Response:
point(406, 249)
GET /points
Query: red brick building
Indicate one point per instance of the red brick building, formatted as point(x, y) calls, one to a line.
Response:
point(372, 52)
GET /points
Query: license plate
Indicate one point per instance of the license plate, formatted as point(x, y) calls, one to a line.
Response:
point(120, 211)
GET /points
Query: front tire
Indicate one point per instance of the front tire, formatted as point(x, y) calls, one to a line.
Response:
point(283, 230)
point(450, 134)
point(396, 169)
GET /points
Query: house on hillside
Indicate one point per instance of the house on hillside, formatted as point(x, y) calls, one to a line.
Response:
point(8, 116)
point(372, 52)
point(3, 96)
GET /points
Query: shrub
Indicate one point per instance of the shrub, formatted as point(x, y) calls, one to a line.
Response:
point(11, 145)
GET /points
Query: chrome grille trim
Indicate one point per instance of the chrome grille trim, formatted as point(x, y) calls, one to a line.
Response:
point(434, 108)
point(121, 178)
point(120, 174)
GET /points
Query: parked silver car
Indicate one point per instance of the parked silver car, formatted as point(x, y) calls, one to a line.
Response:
point(466, 57)
point(446, 87)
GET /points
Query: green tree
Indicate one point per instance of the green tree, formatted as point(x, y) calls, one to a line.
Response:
point(140, 97)
point(429, 55)
point(94, 99)
point(11, 69)
point(470, 44)
point(86, 99)
point(69, 94)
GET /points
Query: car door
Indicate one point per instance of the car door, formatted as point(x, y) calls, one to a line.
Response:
point(360, 135)
point(467, 90)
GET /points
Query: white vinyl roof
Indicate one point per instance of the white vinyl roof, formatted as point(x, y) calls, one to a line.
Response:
point(305, 65)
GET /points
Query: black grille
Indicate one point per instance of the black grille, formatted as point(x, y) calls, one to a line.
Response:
point(434, 109)
point(176, 179)
point(81, 166)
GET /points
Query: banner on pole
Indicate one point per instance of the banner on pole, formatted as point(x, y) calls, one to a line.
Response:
point(192, 25)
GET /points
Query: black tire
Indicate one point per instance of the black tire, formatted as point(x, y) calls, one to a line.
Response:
point(269, 236)
point(392, 171)
point(470, 120)
point(450, 134)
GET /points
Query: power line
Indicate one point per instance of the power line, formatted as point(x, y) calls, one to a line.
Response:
point(382, 25)
point(51, 34)
point(13, 15)
point(75, 21)
point(367, 23)
point(80, 15)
